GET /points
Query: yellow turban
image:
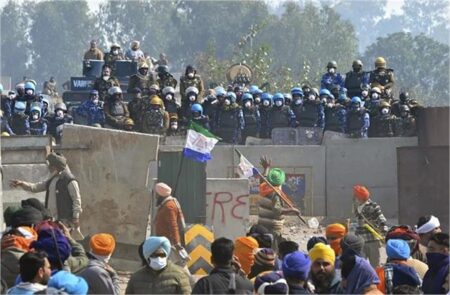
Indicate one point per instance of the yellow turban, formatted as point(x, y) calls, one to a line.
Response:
point(322, 251)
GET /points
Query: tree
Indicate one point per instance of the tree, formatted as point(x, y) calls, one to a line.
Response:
point(420, 63)
point(59, 36)
point(14, 41)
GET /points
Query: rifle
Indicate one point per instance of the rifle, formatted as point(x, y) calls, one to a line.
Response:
point(282, 195)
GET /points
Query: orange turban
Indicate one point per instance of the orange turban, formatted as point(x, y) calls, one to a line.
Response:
point(361, 193)
point(334, 233)
point(20, 241)
point(102, 244)
point(244, 250)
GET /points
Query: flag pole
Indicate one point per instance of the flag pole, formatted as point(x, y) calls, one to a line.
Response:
point(283, 196)
point(180, 168)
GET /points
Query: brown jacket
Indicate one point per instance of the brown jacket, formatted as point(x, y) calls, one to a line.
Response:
point(166, 222)
point(94, 54)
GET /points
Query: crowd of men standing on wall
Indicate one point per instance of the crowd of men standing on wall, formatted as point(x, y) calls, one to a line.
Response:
point(361, 104)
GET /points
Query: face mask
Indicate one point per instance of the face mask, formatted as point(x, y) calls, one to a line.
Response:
point(158, 263)
point(248, 104)
point(29, 92)
point(385, 111)
point(11, 96)
point(266, 103)
point(257, 99)
point(331, 71)
point(298, 101)
point(106, 78)
point(227, 102)
point(355, 107)
point(95, 101)
point(174, 125)
point(35, 116)
point(375, 95)
point(364, 93)
point(169, 96)
point(311, 97)
point(59, 113)
point(330, 104)
point(435, 259)
point(115, 52)
point(191, 98)
point(278, 103)
point(190, 75)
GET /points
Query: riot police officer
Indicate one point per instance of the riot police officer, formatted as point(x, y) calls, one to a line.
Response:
point(372, 105)
point(116, 111)
point(383, 123)
point(230, 120)
point(189, 98)
point(210, 106)
point(355, 78)
point(405, 124)
point(382, 78)
point(412, 104)
point(198, 117)
point(335, 113)
point(309, 112)
point(18, 123)
point(38, 125)
point(331, 78)
point(264, 111)
point(358, 120)
point(165, 78)
point(365, 93)
point(170, 103)
point(57, 121)
point(141, 80)
point(191, 78)
point(252, 118)
point(92, 110)
point(281, 115)
point(112, 56)
point(287, 98)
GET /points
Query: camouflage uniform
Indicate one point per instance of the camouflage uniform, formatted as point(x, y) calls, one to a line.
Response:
point(405, 126)
point(167, 81)
point(110, 59)
point(141, 82)
point(102, 86)
point(196, 81)
point(371, 212)
point(384, 78)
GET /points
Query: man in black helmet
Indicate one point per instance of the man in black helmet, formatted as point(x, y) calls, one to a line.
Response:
point(355, 78)
point(191, 78)
point(57, 121)
point(331, 78)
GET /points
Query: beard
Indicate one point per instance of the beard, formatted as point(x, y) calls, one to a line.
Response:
point(322, 280)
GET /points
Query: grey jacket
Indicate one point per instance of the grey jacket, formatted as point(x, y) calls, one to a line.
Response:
point(99, 280)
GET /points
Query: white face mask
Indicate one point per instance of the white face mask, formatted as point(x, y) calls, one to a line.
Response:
point(330, 104)
point(95, 101)
point(364, 93)
point(29, 92)
point(266, 103)
point(169, 96)
point(35, 116)
point(227, 102)
point(298, 101)
point(385, 111)
point(375, 95)
point(11, 96)
point(174, 126)
point(331, 71)
point(158, 263)
point(59, 113)
point(190, 75)
point(106, 78)
point(115, 52)
point(192, 98)
point(248, 104)
point(257, 100)
point(311, 97)
point(278, 103)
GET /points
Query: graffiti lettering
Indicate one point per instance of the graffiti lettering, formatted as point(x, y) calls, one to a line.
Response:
point(225, 205)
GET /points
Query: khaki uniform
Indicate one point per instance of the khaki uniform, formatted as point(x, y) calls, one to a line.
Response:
point(167, 81)
point(141, 82)
point(110, 59)
point(186, 82)
point(102, 86)
point(95, 53)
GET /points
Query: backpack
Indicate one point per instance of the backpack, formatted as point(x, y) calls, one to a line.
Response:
point(153, 119)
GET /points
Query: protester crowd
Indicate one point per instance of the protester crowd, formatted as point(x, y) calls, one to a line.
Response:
point(40, 256)
point(359, 104)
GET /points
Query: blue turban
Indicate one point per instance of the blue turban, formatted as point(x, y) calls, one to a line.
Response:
point(46, 242)
point(398, 249)
point(154, 243)
point(69, 283)
point(296, 265)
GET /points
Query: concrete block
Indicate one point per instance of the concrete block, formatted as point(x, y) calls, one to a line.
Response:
point(227, 206)
point(113, 178)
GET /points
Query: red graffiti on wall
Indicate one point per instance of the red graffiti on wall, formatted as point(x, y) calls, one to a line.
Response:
point(219, 199)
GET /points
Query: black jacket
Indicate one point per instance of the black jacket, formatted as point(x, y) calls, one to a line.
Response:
point(218, 282)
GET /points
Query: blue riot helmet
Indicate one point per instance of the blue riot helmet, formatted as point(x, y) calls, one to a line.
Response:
point(342, 98)
point(325, 92)
point(29, 88)
point(220, 91)
point(253, 89)
point(266, 99)
point(231, 96)
point(343, 90)
point(356, 103)
point(278, 99)
point(247, 96)
point(257, 96)
point(19, 107)
point(35, 111)
point(296, 92)
point(196, 110)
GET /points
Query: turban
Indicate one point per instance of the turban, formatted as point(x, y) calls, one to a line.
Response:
point(296, 265)
point(244, 251)
point(271, 283)
point(322, 251)
point(154, 243)
point(314, 240)
point(35, 203)
point(397, 249)
point(429, 226)
point(361, 276)
point(57, 252)
point(20, 237)
point(335, 232)
point(57, 160)
point(102, 244)
point(9, 212)
point(276, 176)
point(352, 242)
point(163, 189)
point(361, 193)
point(26, 216)
point(68, 283)
point(265, 257)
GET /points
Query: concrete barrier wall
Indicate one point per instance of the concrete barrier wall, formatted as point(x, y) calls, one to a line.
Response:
point(227, 206)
